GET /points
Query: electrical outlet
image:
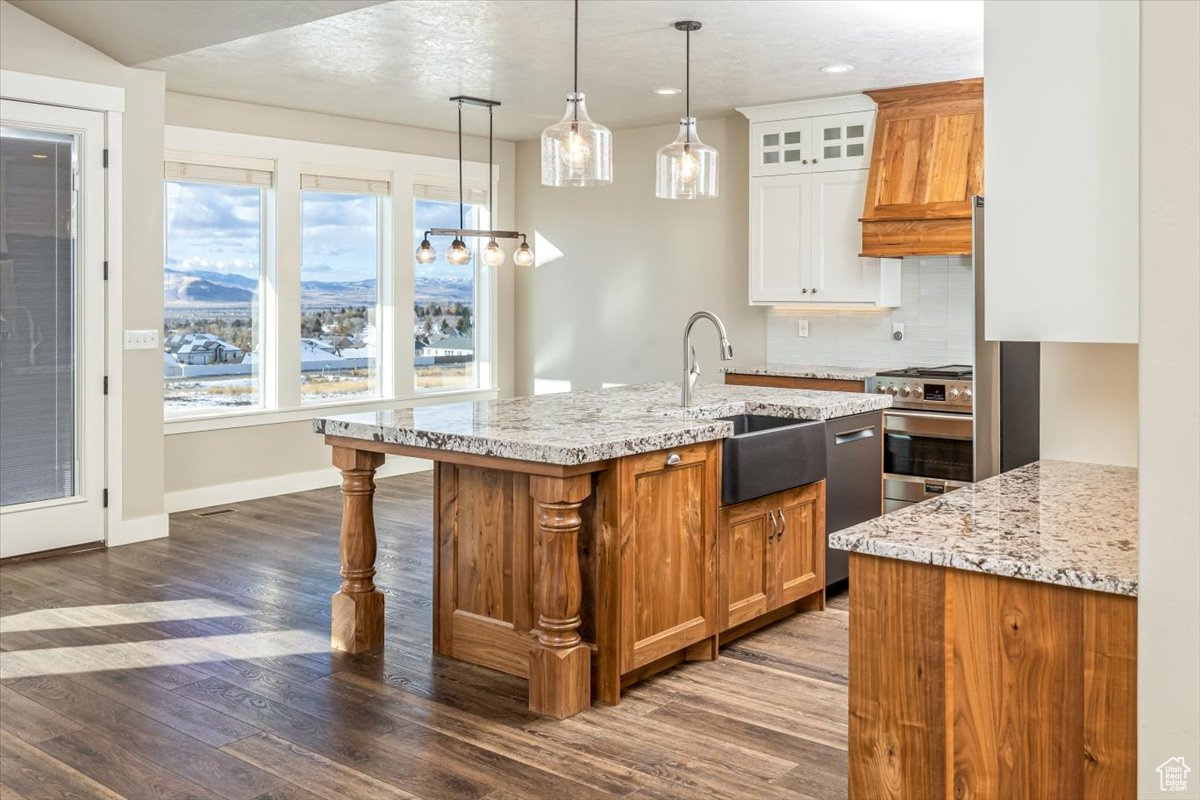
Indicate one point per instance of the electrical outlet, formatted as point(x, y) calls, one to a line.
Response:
point(898, 331)
point(141, 340)
point(802, 328)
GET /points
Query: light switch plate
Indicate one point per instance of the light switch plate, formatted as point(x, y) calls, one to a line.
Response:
point(802, 328)
point(141, 340)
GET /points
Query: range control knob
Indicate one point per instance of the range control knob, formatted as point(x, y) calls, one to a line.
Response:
point(966, 395)
point(916, 392)
point(891, 390)
point(879, 389)
point(952, 395)
point(905, 391)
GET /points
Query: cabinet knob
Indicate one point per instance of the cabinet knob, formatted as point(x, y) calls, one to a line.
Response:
point(814, 161)
point(673, 459)
point(804, 291)
point(804, 161)
point(814, 290)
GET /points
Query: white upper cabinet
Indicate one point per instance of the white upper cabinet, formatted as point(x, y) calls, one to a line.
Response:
point(1062, 245)
point(808, 168)
point(842, 141)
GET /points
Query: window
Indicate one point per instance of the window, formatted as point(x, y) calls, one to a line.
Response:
point(212, 302)
point(339, 287)
point(445, 297)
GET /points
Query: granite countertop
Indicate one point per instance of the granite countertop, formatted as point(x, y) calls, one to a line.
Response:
point(1057, 522)
point(581, 427)
point(822, 372)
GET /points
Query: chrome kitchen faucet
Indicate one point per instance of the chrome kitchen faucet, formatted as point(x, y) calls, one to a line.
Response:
point(691, 369)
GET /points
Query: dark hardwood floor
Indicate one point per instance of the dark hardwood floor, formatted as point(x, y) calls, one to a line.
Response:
point(199, 666)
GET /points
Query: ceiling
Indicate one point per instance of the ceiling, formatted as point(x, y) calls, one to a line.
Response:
point(400, 61)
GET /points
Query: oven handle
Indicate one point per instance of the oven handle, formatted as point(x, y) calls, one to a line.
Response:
point(932, 415)
point(927, 423)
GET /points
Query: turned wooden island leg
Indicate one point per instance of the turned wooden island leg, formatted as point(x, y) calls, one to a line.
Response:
point(560, 664)
point(358, 606)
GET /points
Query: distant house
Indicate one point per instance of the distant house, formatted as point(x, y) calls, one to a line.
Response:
point(202, 349)
point(456, 344)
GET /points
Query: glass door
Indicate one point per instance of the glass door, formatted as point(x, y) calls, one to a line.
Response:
point(51, 328)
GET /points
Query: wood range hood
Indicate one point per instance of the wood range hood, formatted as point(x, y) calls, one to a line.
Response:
point(926, 165)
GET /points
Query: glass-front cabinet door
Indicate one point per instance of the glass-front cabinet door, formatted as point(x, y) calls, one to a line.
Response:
point(782, 147)
point(842, 141)
point(51, 328)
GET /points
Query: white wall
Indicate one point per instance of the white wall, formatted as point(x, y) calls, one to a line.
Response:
point(612, 308)
point(29, 45)
point(937, 299)
point(1169, 386)
point(287, 456)
point(1090, 403)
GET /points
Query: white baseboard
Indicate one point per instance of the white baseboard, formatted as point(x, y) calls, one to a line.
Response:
point(139, 529)
point(222, 494)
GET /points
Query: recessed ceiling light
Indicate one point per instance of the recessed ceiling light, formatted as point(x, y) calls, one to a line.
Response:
point(836, 68)
point(667, 90)
point(40, 155)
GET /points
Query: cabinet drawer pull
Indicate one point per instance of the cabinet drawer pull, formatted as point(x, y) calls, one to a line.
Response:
point(673, 459)
point(782, 523)
point(774, 527)
point(857, 435)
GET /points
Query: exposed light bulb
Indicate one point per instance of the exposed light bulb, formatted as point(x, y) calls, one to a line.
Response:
point(577, 148)
point(458, 254)
point(493, 255)
point(523, 257)
point(425, 253)
point(689, 165)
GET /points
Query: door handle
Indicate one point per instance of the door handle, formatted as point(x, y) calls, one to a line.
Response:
point(782, 526)
point(774, 527)
point(857, 435)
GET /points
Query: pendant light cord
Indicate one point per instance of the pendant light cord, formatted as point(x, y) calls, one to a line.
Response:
point(687, 83)
point(575, 90)
point(491, 222)
point(461, 218)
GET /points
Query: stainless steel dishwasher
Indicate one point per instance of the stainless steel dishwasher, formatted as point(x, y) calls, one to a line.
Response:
point(854, 480)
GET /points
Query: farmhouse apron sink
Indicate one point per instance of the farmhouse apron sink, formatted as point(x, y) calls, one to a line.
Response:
point(770, 454)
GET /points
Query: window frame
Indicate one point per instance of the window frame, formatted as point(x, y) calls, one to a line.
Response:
point(281, 293)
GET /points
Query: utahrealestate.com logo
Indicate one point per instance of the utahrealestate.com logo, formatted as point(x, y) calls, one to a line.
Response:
point(1172, 775)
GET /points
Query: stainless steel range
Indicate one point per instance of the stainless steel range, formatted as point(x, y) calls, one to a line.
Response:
point(928, 433)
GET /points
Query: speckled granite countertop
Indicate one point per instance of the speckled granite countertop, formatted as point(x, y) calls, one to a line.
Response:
point(581, 427)
point(806, 371)
point(1057, 522)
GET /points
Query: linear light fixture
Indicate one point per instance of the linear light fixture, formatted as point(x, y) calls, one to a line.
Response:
point(459, 254)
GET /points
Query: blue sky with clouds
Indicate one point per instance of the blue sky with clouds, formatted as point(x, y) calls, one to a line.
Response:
point(217, 228)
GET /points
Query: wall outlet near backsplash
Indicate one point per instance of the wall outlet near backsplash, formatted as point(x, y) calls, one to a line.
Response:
point(936, 316)
point(802, 328)
point(898, 331)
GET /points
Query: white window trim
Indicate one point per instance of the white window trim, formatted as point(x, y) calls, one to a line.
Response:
point(291, 158)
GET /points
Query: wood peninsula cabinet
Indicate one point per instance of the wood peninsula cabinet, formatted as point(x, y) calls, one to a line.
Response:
point(772, 553)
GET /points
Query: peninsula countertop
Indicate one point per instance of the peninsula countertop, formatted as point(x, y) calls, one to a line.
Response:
point(581, 427)
point(815, 371)
point(1058, 522)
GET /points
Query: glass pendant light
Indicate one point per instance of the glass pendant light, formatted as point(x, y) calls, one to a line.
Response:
point(493, 256)
point(523, 257)
point(687, 167)
point(458, 254)
point(425, 253)
point(576, 151)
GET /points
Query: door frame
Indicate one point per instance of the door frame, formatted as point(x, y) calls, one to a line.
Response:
point(109, 100)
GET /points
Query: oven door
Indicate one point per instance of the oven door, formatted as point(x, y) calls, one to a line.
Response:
point(925, 454)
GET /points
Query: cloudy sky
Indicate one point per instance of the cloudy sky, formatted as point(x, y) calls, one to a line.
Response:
point(218, 229)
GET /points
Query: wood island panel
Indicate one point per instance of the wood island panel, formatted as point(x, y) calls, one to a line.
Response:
point(970, 685)
point(792, 382)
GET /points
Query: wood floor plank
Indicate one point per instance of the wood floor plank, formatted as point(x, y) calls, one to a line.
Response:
point(31, 720)
point(31, 773)
point(314, 772)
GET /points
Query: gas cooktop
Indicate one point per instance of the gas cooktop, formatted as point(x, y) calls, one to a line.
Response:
point(958, 372)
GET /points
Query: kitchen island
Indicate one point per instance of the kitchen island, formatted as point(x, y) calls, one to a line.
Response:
point(993, 639)
point(576, 533)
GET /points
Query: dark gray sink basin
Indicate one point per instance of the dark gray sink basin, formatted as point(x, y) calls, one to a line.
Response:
point(770, 454)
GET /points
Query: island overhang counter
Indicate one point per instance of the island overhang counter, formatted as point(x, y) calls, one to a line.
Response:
point(574, 533)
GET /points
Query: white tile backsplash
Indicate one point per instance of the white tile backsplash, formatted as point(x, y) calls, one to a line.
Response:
point(937, 306)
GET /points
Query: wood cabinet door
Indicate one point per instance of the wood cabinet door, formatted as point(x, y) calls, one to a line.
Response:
point(668, 530)
point(927, 158)
point(781, 147)
point(780, 233)
point(839, 274)
point(798, 552)
point(744, 539)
